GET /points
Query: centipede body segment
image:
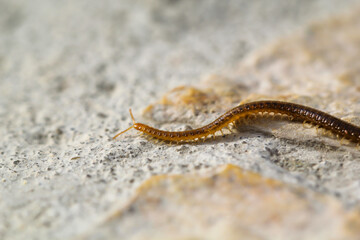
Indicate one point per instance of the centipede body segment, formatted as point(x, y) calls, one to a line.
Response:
point(295, 112)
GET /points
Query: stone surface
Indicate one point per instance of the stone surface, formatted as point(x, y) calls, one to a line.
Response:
point(229, 203)
point(69, 71)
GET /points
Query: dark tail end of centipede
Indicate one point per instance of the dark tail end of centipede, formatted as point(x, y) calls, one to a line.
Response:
point(133, 119)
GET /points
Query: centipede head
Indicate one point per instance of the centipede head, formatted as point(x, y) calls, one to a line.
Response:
point(132, 126)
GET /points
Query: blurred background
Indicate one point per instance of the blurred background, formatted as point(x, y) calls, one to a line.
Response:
point(69, 71)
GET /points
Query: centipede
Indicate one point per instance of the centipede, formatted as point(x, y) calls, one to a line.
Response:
point(234, 116)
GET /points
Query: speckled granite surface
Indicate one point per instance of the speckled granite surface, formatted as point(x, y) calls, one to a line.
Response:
point(70, 70)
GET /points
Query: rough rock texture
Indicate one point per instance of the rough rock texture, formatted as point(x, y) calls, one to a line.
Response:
point(69, 71)
point(228, 204)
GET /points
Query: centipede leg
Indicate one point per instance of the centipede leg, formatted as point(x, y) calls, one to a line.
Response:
point(237, 124)
point(317, 129)
point(235, 127)
point(339, 139)
point(227, 128)
point(304, 122)
point(272, 115)
point(304, 125)
point(147, 137)
point(329, 133)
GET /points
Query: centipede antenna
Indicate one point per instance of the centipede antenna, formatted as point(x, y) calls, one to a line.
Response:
point(123, 132)
point(132, 116)
point(133, 119)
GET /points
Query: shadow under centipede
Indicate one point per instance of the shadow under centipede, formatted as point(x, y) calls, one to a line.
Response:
point(323, 139)
point(313, 144)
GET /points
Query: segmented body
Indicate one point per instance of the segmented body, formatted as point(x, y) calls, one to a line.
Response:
point(295, 112)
